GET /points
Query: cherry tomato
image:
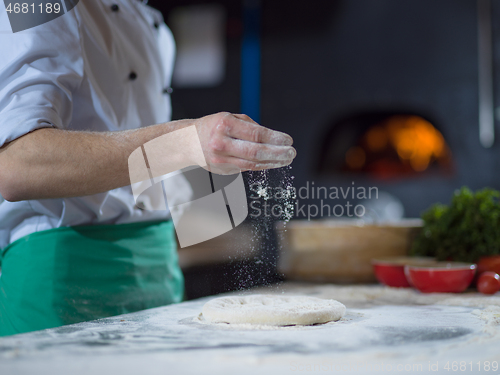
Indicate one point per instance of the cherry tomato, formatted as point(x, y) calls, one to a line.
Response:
point(488, 283)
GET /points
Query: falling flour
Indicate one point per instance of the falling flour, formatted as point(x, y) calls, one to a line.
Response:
point(276, 188)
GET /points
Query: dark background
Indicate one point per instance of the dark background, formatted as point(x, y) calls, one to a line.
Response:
point(324, 61)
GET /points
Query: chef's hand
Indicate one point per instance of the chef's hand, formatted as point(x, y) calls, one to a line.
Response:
point(234, 142)
point(62, 163)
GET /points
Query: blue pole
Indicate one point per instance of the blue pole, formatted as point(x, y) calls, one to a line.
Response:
point(250, 60)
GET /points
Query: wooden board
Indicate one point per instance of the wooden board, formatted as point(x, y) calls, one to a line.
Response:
point(338, 251)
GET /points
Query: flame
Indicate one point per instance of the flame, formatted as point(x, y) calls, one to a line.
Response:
point(355, 157)
point(377, 138)
point(415, 140)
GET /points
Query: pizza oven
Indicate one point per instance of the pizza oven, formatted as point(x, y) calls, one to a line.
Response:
point(385, 146)
point(394, 95)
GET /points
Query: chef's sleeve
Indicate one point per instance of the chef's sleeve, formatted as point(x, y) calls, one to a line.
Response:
point(40, 68)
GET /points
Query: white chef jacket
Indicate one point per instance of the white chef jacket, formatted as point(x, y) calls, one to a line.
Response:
point(99, 68)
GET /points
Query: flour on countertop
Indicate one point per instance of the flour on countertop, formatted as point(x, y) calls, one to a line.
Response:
point(378, 295)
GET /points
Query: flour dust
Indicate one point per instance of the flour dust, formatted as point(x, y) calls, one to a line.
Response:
point(271, 199)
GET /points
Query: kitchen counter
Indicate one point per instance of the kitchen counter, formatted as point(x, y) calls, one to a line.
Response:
point(385, 330)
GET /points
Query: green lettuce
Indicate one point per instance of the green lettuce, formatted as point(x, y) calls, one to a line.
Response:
point(464, 231)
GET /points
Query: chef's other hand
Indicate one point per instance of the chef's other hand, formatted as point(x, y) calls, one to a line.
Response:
point(234, 142)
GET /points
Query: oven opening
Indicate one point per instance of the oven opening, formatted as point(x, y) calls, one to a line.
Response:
point(388, 145)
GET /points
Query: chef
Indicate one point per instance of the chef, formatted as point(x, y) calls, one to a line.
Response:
point(78, 95)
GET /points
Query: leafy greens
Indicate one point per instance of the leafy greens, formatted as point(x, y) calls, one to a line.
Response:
point(464, 231)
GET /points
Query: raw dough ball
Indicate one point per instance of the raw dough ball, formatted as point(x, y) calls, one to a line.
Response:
point(274, 310)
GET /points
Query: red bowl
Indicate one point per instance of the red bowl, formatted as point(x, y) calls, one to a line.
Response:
point(441, 277)
point(391, 271)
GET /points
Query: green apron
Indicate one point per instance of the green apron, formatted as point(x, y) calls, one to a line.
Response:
point(73, 274)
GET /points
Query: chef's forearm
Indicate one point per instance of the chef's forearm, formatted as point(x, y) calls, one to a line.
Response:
point(53, 163)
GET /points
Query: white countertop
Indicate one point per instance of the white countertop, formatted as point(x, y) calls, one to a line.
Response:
point(385, 330)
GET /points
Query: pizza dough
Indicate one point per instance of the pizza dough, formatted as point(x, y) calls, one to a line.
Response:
point(274, 310)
